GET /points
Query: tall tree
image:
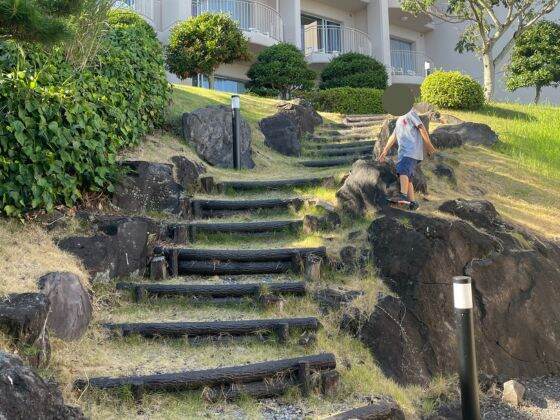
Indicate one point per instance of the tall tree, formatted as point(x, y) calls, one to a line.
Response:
point(487, 23)
point(200, 44)
point(535, 60)
point(37, 20)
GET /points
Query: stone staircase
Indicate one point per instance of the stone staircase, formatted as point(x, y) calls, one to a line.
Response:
point(342, 144)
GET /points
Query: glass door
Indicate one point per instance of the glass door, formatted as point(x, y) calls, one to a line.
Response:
point(403, 58)
point(320, 35)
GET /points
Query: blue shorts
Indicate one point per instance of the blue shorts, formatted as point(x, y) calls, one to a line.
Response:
point(407, 166)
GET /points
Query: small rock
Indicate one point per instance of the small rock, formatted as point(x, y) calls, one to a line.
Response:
point(187, 172)
point(311, 224)
point(307, 339)
point(443, 170)
point(513, 392)
point(349, 257)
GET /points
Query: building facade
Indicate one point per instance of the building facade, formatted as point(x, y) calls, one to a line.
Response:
point(409, 46)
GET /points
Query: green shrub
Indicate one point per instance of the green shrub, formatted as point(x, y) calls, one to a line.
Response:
point(281, 68)
point(354, 70)
point(452, 90)
point(119, 18)
point(61, 128)
point(347, 100)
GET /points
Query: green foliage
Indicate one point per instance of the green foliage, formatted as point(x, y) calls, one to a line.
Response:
point(281, 68)
point(119, 18)
point(200, 44)
point(62, 128)
point(354, 70)
point(347, 100)
point(452, 90)
point(36, 20)
point(535, 60)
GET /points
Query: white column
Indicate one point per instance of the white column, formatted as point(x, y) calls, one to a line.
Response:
point(290, 11)
point(378, 30)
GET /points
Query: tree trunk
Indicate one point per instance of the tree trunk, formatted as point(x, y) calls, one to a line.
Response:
point(489, 75)
point(538, 94)
point(211, 80)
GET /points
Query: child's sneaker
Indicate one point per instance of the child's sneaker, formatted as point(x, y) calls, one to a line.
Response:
point(414, 205)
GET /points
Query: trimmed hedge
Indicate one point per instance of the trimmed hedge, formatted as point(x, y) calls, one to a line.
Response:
point(452, 90)
point(347, 100)
point(354, 70)
point(61, 128)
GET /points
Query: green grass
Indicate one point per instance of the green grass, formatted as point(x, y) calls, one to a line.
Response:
point(530, 134)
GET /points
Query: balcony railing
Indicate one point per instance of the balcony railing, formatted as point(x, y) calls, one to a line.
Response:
point(409, 63)
point(334, 39)
point(144, 8)
point(252, 16)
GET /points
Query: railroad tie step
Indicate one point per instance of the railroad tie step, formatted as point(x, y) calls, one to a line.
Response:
point(352, 151)
point(242, 227)
point(201, 208)
point(214, 291)
point(351, 144)
point(210, 185)
point(240, 255)
point(279, 326)
point(324, 163)
point(263, 379)
point(231, 268)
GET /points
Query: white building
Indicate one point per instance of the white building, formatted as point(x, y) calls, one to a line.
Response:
point(408, 45)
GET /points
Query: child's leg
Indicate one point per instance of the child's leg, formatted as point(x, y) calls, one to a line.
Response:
point(410, 192)
point(404, 184)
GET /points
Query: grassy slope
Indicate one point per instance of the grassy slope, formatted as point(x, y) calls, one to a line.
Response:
point(526, 190)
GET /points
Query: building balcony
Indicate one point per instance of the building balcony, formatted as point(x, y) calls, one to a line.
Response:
point(144, 8)
point(261, 23)
point(321, 43)
point(409, 67)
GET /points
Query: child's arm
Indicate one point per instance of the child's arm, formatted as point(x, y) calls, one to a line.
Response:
point(426, 137)
point(390, 143)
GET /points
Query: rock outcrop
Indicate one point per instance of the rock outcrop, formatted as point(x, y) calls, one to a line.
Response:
point(187, 172)
point(210, 131)
point(148, 186)
point(302, 113)
point(24, 317)
point(455, 135)
point(25, 395)
point(516, 279)
point(70, 304)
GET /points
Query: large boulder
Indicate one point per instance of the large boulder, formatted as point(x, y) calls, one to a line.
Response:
point(210, 131)
point(302, 113)
point(25, 395)
point(120, 246)
point(370, 184)
point(70, 304)
point(281, 134)
point(148, 186)
point(387, 129)
point(187, 172)
point(24, 317)
point(516, 286)
point(454, 135)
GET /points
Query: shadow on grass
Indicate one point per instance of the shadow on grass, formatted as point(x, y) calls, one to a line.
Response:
point(505, 113)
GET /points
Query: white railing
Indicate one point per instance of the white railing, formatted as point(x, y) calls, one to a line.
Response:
point(252, 16)
point(334, 39)
point(409, 63)
point(144, 8)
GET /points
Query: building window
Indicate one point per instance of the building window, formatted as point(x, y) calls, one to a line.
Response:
point(404, 58)
point(320, 35)
point(220, 83)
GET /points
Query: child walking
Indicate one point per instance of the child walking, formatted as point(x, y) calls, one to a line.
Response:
point(411, 136)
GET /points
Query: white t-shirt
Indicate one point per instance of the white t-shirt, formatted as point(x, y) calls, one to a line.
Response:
point(408, 136)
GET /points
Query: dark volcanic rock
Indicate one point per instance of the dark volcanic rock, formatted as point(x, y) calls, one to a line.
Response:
point(515, 290)
point(70, 304)
point(383, 408)
point(455, 135)
point(210, 131)
point(443, 170)
point(480, 213)
point(23, 316)
point(302, 113)
point(281, 134)
point(148, 186)
point(187, 172)
point(120, 247)
point(25, 395)
point(370, 184)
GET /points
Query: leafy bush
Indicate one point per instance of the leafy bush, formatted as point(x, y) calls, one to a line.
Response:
point(281, 68)
point(199, 45)
point(61, 128)
point(347, 100)
point(119, 18)
point(354, 70)
point(452, 90)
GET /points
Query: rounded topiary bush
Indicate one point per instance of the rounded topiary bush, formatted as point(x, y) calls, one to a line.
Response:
point(123, 17)
point(354, 70)
point(347, 100)
point(453, 90)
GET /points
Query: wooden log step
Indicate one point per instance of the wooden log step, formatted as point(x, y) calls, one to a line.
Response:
point(197, 379)
point(324, 163)
point(383, 410)
point(365, 117)
point(244, 227)
point(242, 255)
point(214, 268)
point(236, 328)
point(240, 205)
point(272, 387)
point(216, 291)
point(276, 183)
point(350, 144)
point(368, 150)
point(366, 123)
point(343, 138)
